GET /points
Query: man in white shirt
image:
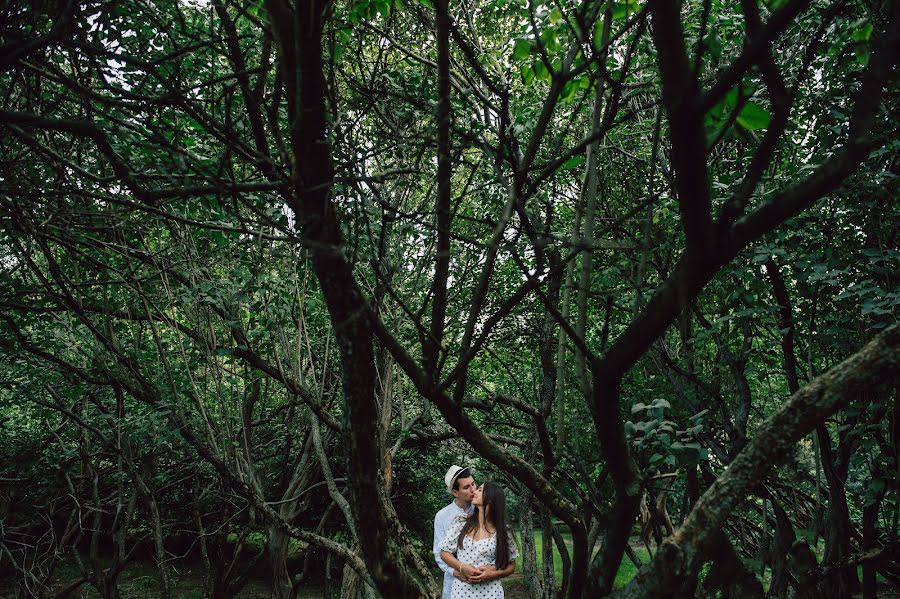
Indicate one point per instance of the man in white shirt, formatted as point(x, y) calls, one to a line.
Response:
point(461, 485)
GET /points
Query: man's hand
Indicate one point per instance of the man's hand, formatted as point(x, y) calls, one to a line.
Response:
point(458, 574)
point(487, 573)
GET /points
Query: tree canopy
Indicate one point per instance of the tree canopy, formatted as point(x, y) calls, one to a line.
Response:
point(268, 267)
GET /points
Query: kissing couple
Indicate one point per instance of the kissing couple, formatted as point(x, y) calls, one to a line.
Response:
point(473, 544)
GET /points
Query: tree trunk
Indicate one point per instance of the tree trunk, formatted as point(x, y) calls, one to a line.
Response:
point(589, 192)
point(109, 587)
point(623, 470)
point(728, 574)
point(350, 587)
point(529, 551)
point(547, 553)
point(763, 554)
point(870, 541)
point(277, 547)
point(838, 530)
point(778, 554)
point(394, 567)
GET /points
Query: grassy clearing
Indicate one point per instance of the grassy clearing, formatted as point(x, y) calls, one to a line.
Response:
point(627, 569)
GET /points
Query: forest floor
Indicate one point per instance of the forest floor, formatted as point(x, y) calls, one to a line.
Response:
point(140, 581)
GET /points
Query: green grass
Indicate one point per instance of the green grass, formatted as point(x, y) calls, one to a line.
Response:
point(140, 580)
point(627, 569)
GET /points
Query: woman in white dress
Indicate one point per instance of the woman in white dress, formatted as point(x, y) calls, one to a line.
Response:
point(481, 546)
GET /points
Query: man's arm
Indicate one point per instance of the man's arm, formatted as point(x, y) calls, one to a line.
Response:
point(440, 530)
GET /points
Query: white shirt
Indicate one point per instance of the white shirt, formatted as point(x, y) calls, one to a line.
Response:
point(442, 521)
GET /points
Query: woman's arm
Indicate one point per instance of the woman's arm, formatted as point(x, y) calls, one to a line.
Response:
point(467, 570)
point(490, 573)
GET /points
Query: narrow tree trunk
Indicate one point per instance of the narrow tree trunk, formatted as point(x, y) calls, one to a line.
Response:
point(277, 548)
point(109, 587)
point(870, 541)
point(763, 554)
point(838, 530)
point(783, 541)
point(589, 192)
point(547, 553)
point(165, 583)
point(529, 551)
point(609, 425)
point(565, 587)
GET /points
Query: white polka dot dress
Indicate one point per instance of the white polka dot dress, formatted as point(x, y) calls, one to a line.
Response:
point(477, 553)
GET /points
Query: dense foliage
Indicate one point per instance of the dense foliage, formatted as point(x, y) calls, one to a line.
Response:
point(268, 267)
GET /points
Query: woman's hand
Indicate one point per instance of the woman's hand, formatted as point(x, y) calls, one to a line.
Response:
point(487, 573)
point(470, 571)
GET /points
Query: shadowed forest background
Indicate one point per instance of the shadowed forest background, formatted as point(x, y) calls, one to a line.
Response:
point(268, 267)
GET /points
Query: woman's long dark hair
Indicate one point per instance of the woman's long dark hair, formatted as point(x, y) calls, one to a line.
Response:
point(493, 501)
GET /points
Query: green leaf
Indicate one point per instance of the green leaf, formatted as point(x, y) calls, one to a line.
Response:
point(572, 163)
point(713, 45)
point(521, 49)
point(255, 8)
point(638, 407)
point(731, 98)
point(598, 34)
point(527, 74)
point(753, 117)
point(862, 31)
point(550, 40)
point(633, 488)
point(623, 10)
